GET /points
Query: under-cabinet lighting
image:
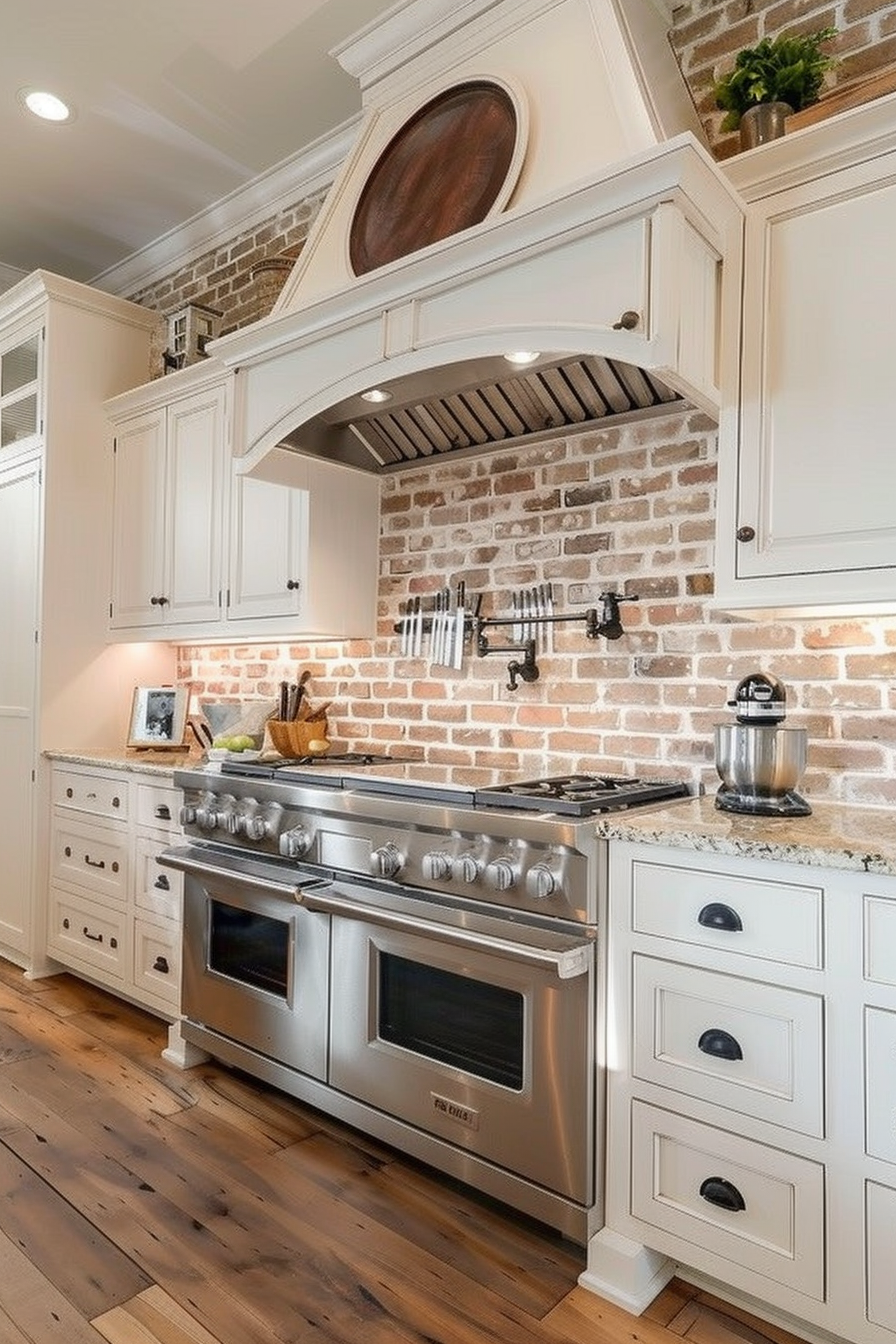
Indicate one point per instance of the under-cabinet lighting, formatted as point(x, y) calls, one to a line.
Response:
point(45, 105)
point(522, 357)
point(376, 394)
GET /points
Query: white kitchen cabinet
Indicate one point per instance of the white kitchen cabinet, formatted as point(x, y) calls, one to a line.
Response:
point(64, 349)
point(114, 913)
point(806, 468)
point(766, 1173)
point(204, 553)
point(170, 467)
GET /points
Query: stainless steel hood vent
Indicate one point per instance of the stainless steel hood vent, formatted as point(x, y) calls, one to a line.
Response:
point(612, 245)
point(483, 409)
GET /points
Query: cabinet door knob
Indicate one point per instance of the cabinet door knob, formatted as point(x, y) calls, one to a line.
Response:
point(628, 321)
point(158, 601)
point(292, 585)
point(716, 1190)
point(720, 1044)
point(746, 533)
point(719, 916)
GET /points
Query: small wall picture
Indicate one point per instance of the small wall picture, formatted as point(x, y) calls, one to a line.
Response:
point(158, 716)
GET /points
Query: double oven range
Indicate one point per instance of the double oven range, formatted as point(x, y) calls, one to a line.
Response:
point(413, 954)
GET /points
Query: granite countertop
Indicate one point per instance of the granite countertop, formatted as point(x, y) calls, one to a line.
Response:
point(148, 762)
point(860, 839)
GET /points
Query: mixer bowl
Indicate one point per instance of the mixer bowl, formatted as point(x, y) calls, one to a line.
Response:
point(760, 766)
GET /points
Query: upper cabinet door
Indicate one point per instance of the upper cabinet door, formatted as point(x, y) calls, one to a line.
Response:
point(138, 542)
point(195, 522)
point(268, 550)
point(20, 410)
point(810, 519)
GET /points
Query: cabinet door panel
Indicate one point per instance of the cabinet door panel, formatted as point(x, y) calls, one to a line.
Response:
point(268, 559)
point(195, 516)
point(139, 522)
point(817, 471)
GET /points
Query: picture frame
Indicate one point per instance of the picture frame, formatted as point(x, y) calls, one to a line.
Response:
point(158, 716)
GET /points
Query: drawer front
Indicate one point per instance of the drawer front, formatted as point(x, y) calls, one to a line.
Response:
point(157, 890)
point(104, 797)
point(748, 1046)
point(158, 805)
point(756, 918)
point(92, 857)
point(88, 933)
point(880, 940)
point(880, 1084)
point(880, 1219)
point(157, 963)
point(754, 1206)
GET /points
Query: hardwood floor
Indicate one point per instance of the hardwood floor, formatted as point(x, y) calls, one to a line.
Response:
point(144, 1205)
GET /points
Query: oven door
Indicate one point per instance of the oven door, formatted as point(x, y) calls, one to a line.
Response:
point(477, 1030)
point(255, 960)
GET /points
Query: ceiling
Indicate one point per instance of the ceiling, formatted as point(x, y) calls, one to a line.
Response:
point(177, 104)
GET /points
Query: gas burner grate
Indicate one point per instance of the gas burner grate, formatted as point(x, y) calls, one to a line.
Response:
point(269, 769)
point(580, 795)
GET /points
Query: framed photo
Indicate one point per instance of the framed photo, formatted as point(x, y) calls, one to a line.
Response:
point(158, 716)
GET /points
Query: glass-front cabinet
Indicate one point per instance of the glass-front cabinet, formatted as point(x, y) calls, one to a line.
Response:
point(19, 385)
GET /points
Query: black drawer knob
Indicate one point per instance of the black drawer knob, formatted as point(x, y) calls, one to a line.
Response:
point(161, 964)
point(163, 812)
point(67, 851)
point(716, 1190)
point(719, 916)
point(69, 793)
point(162, 883)
point(720, 1044)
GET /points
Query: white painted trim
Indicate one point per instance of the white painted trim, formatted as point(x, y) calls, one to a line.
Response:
point(624, 1271)
point(288, 182)
point(9, 276)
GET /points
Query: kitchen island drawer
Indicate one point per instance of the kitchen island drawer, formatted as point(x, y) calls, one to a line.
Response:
point(157, 962)
point(739, 1201)
point(93, 936)
point(89, 856)
point(755, 917)
point(157, 890)
point(743, 1044)
point(86, 792)
point(158, 806)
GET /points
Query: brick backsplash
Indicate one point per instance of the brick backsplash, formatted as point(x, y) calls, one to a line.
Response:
point(647, 701)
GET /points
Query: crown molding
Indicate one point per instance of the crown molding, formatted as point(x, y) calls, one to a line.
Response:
point(278, 188)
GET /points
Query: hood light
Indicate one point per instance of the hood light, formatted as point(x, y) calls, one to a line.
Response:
point(376, 394)
point(522, 357)
point(45, 105)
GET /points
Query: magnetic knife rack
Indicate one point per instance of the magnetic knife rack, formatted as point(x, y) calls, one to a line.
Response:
point(604, 621)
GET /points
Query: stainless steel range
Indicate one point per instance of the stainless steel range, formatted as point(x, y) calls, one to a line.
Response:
point(415, 951)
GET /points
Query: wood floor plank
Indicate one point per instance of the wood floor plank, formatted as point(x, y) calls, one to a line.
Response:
point(31, 1308)
point(152, 1317)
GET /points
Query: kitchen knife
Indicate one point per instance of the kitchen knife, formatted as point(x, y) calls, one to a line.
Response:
point(460, 619)
point(405, 629)
point(418, 627)
point(447, 628)
point(283, 702)
point(434, 629)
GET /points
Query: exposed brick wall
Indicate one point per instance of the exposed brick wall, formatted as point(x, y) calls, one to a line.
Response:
point(629, 508)
point(707, 34)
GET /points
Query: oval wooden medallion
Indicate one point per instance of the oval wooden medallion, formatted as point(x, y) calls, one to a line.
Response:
point(441, 173)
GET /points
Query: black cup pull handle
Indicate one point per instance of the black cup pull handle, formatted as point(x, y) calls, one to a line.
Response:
point(716, 1190)
point(719, 916)
point(161, 965)
point(720, 1044)
point(163, 812)
point(161, 883)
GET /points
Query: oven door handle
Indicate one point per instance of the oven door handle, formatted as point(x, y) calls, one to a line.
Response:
point(568, 962)
point(187, 860)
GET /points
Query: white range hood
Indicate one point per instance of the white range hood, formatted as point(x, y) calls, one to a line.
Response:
point(611, 245)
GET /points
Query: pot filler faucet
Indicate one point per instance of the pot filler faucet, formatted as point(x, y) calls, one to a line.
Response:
point(604, 621)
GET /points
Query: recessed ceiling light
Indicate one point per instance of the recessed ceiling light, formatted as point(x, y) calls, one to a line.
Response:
point(45, 105)
point(376, 394)
point(522, 357)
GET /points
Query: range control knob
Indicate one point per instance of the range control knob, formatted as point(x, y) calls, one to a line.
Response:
point(500, 874)
point(437, 866)
point(256, 827)
point(234, 822)
point(467, 868)
point(294, 843)
point(187, 815)
point(206, 817)
point(540, 882)
point(387, 861)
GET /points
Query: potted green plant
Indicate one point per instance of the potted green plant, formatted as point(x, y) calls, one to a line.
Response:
point(787, 70)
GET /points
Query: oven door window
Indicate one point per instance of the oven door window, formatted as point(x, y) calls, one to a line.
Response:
point(466, 1023)
point(251, 948)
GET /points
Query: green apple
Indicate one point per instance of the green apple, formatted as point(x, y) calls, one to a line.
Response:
point(242, 743)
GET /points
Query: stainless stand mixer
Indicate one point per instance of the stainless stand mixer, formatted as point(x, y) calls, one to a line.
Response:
point(759, 762)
